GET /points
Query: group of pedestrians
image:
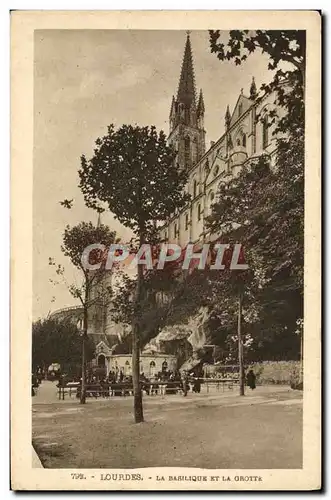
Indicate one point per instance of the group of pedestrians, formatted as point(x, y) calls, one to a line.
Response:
point(119, 384)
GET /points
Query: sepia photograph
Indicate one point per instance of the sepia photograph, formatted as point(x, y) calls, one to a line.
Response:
point(168, 336)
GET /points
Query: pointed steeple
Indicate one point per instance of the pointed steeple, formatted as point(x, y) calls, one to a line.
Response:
point(172, 115)
point(99, 211)
point(173, 107)
point(227, 117)
point(186, 89)
point(187, 134)
point(201, 105)
point(229, 144)
point(253, 90)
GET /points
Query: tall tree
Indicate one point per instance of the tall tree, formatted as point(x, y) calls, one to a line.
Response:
point(134, 171)
point(94, 289)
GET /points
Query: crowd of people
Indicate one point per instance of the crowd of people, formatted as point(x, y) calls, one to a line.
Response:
point(164, 382)
point(119, 384)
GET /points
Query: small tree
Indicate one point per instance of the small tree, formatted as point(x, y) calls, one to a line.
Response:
point(76, 239)
point(134, 172)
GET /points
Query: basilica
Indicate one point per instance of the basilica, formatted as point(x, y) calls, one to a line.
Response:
point(247, 134)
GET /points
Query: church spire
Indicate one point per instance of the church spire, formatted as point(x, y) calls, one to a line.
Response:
point(186, 89)
point(187, 134)
point(201, 105)
point(227, 117)
point(253, 90)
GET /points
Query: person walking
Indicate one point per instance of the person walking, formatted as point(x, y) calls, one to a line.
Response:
point(251, 379)
point(185, 383)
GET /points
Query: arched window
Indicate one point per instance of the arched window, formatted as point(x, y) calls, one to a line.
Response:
point(240, 109)
point(238, 141)
point(187, 143)
point(265, 132)
point(195, 185)
point(244, 140)
point(194, 151)
point(152, 368)
point(211, 200)
point(164, 366)
point(199, 211)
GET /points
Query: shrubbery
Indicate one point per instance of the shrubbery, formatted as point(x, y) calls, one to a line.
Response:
point(278, 372)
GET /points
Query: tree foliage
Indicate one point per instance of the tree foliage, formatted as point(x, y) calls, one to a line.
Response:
point(75, 240)
point(134, 172)
point(58, 342)
point(265, 201)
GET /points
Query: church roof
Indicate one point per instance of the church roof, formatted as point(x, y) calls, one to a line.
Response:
point(186, 89)
point(109, 340)
point(242, 105)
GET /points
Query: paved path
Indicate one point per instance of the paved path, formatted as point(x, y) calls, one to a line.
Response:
point(214, 430)
point(46, 393)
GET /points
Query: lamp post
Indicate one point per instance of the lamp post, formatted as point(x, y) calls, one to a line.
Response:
point(240, 348)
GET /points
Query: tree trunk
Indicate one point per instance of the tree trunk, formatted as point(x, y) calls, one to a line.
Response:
point(301, 356)
point(240, 350)
point(83, 388)
point(137, 394)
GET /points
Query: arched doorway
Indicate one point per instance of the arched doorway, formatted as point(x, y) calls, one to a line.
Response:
point(101, 361)
point(127, 368)
point(164, 366)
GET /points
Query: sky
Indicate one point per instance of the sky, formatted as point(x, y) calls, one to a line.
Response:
point(83, 81)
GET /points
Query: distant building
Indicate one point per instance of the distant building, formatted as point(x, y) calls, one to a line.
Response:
point(150, 364)
point(74, 314)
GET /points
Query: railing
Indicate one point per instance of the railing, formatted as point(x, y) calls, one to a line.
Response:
point(149, 388)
